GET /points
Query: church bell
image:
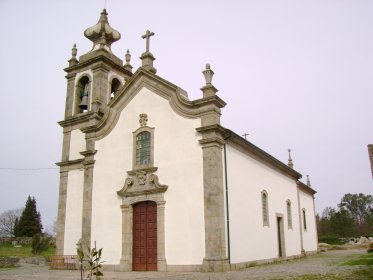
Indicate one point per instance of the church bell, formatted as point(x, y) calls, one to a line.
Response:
point(84, 103)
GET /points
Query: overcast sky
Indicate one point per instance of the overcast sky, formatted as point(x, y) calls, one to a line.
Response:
point(295, 74)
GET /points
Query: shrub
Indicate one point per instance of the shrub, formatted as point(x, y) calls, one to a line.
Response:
point(333, 240)
point(39, 244)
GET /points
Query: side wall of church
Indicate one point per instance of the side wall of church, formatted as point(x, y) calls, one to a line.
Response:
point(178, 157)
point(250, 239)
point(310, 232)
point(74, 204)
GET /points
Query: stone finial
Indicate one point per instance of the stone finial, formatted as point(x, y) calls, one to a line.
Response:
point(128, 65)
point(147, 57)
point(143, 119)
point(308, 181)
point(208, 90)
point(102, 34)
point(208, 73)
point(290, 161)
point(74, 52)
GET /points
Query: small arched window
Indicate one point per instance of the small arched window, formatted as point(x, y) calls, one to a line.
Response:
point(265, 208)
point(304, 219)
point(143, 146)
point(82, 95)
point(288, 208)
point(115, 85)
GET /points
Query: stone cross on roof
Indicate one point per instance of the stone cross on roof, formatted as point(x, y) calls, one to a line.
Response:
point(147, 37)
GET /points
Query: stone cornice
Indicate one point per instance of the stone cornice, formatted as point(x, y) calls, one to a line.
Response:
point(215, 100)
point(212, 128)
point(76, 119)
point(88, 153)
point(70, 164)
point(100, 60)
point(303, 187)
point(232, 138)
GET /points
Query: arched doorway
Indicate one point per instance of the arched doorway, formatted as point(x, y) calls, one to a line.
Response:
point(144, 257)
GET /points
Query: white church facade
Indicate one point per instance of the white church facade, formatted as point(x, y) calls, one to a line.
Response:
point(155, 180)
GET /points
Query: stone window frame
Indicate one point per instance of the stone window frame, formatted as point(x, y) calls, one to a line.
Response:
point(151, 161)
point(265, 212)
point(77, 93)
point(304, 219)
point(289, 214)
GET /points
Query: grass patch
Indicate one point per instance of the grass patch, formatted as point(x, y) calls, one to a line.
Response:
point(366, 259)
point(8, 250)
point(361, 274)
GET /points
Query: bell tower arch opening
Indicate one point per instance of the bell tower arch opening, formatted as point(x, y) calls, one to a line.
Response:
point(82, 96)
point(115, 85)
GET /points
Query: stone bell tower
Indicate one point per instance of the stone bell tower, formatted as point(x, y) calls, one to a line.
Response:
point(92, 82)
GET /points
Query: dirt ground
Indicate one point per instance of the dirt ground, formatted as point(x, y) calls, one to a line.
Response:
point(326, 263)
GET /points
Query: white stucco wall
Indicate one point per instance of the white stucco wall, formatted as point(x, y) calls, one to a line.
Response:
point(249, 239)
point(74, 204)
point(77, 144)
point(310, 234)
point(177, 155)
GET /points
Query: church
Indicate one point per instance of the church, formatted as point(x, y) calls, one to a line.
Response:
point(155, 180)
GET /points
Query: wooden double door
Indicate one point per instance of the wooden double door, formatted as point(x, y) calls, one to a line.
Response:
point(144, 236)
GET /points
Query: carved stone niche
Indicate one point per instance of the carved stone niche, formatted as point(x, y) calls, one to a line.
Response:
point(141, 182)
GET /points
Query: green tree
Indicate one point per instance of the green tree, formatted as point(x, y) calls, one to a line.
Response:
point(323, 223)
point(29, 223)
point(358, 205)
point(342, 224)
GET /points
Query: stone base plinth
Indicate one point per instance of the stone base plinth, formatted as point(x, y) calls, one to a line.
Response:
point(219, 265)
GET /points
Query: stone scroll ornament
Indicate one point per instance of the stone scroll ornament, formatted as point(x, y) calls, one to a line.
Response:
point(141, 182)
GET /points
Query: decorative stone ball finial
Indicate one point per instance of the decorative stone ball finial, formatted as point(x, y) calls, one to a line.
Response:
point(102, 34)
point(143, 119)
point(208, 73)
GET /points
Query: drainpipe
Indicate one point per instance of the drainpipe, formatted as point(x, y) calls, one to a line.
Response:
point(226, 200)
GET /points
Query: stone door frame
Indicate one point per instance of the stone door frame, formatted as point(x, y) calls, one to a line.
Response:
point(127, 229)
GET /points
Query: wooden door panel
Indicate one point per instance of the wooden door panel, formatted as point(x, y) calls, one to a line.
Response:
point(145, 236)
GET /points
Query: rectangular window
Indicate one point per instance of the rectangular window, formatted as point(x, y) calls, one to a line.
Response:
point(288, 207)
point(265, 208)
point(143, 148)
point(304, 219)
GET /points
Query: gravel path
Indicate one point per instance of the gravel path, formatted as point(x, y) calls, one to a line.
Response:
point(320, 264)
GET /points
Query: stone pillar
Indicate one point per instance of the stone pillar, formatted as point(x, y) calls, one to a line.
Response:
point(61, 212)
point(69, 109)
point(88, 164)
point(214, 207)
point(100, 84)
point(126, 259)
point(215, 243)
point(161, 254)
point(300, 222)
